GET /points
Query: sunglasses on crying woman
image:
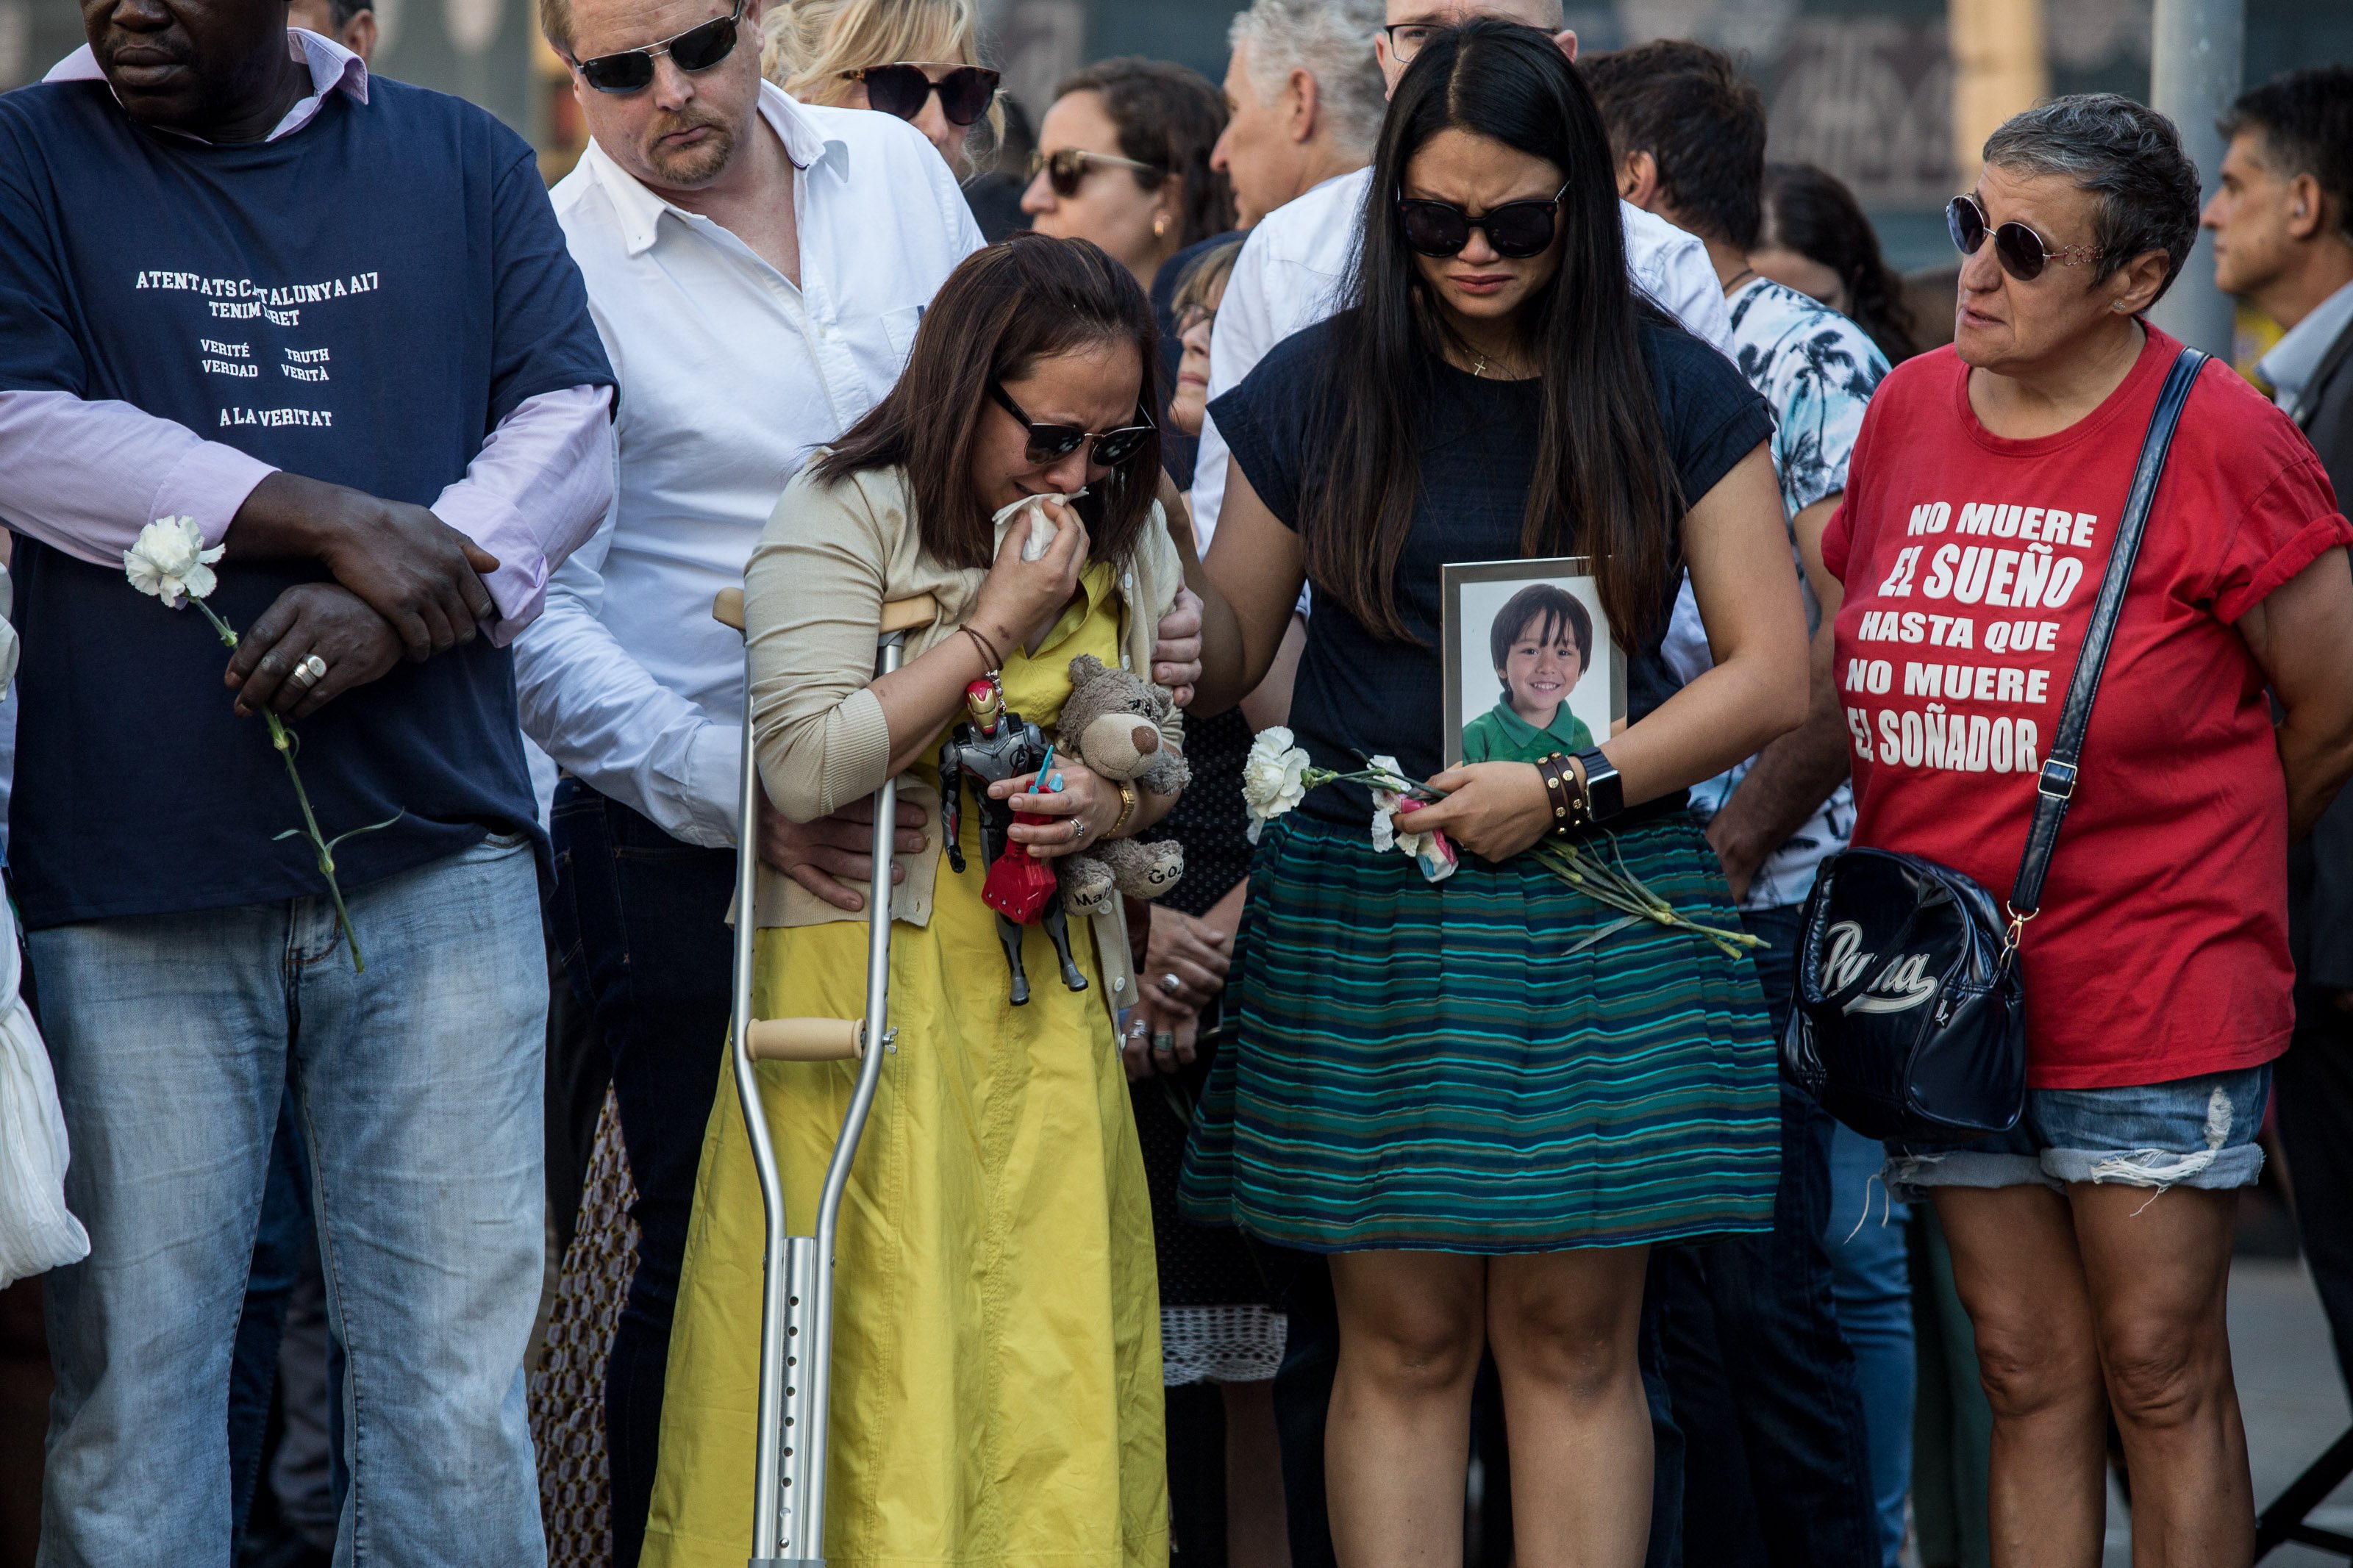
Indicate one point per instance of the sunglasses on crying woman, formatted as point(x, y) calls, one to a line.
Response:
point(1053, 443)
point(632, 70)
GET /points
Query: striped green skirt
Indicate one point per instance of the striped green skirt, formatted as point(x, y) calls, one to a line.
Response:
point(1442, 1066)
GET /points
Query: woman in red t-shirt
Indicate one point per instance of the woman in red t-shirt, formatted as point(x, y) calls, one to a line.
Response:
point(2091, 1244)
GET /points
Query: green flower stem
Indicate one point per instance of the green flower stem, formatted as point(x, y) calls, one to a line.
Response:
point(283, 739)
point(1611, 886)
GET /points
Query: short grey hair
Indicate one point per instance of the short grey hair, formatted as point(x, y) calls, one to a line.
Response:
point(1331, 41)
point(2126, 155)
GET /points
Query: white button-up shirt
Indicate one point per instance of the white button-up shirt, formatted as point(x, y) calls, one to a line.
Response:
point(1291, 268)
point(730, 376)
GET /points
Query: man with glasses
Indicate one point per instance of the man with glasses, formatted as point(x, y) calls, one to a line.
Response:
point(756, 267)
point(328, 320)
point(1289, 271)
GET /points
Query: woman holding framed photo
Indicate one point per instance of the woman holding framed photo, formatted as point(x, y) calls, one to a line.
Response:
point(1487, 1097)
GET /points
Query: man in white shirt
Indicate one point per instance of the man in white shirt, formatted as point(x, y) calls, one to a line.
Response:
point(1292, 266)
point(756, 269)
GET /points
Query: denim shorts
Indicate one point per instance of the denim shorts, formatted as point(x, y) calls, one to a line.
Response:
point(2192, 1132)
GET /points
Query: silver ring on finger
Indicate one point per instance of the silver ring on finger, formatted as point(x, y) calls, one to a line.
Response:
point(309, 672)
point(1171, 984)
point(1078, 828)
point(1164, 1045)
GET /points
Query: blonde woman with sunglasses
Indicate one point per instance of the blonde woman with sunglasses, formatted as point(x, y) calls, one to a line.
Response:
point(919, 60)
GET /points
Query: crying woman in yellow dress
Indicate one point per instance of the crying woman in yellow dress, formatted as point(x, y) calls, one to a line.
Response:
point(997, 1349)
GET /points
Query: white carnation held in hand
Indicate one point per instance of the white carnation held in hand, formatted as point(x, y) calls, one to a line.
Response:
point(1274, 777)
point(171, 561)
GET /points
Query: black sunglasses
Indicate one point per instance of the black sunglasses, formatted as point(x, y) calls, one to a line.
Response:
point(902, 90)
point(696, 49)
point(1053, 443)
point(2019, 248)
point(1517, 229)
point(1067, 169)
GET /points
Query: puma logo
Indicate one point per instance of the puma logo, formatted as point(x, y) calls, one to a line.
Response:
point(1904, 985)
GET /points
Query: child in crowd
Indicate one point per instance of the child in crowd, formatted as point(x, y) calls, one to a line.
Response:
point(1543, 644)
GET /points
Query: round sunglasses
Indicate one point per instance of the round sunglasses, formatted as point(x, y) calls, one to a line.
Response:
point(632, 70)
point(2019, 248)
point(1516, 229)
point(1068, 167)
point(903, 89)
point(1053, 443)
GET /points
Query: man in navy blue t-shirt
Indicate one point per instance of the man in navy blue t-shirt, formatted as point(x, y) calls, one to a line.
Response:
point(330, 319)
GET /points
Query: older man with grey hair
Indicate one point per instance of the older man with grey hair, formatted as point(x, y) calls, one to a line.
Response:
point(1304, 98)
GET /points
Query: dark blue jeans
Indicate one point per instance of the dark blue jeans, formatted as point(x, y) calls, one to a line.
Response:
point(640, 920)
point(1303, 1403)
point(1763, 1381)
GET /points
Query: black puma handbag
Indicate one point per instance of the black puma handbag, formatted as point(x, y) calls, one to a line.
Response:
point(1909, 1020)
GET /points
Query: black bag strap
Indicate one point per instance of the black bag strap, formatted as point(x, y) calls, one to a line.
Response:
point(2056, 788)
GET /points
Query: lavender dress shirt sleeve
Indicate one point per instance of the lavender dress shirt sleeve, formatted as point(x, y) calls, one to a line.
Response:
point(86, 476)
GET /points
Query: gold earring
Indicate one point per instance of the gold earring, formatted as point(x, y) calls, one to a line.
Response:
point(1159, 224)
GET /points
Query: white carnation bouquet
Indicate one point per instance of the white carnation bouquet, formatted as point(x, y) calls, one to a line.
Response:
point(170, 560)
point(1277, 776)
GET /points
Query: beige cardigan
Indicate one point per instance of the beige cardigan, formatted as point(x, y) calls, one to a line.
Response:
point(829, 558)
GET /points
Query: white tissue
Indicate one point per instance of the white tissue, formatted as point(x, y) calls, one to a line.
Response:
point(1041, 526)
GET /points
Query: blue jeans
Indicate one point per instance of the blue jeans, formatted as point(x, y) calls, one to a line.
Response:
point(1778, 1461)
point(418, 1086)
point(639, 919)
point(286, 1235)
point(1870, 1282)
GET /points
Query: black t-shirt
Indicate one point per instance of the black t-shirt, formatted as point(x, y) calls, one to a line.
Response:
point(1362, 693)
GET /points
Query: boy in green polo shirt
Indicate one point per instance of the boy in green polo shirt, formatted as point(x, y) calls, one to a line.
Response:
point(1543, 643)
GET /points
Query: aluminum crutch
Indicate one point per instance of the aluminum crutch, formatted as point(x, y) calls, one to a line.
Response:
point(797, 1291)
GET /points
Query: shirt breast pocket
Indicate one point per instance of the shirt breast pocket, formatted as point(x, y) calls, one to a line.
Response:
point(898, 327)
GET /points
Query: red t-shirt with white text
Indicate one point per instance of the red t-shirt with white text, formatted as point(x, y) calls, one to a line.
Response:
point(1971, 562)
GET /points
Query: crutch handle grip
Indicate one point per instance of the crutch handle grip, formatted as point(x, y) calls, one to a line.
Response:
point(898, 615)
point(908, 615)
point(806, 1039)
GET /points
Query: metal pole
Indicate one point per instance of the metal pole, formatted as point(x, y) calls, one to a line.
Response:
point(2198, 54)
point(768, 1521)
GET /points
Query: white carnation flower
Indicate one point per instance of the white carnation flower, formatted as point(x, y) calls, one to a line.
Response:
point(170, 560)
point(1273, 777)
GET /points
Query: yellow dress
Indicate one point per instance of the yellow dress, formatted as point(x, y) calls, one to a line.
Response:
point(996, 1392)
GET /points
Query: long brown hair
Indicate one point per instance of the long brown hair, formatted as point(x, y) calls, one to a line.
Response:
point(1002, 309)
point(1603, 484)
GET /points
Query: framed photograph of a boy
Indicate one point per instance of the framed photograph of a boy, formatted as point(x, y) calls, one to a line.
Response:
point(1532, 666)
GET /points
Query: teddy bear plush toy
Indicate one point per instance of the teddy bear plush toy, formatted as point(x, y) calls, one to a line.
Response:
point(1111, 723)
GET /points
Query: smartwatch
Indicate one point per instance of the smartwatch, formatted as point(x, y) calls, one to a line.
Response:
point(1605, 792)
